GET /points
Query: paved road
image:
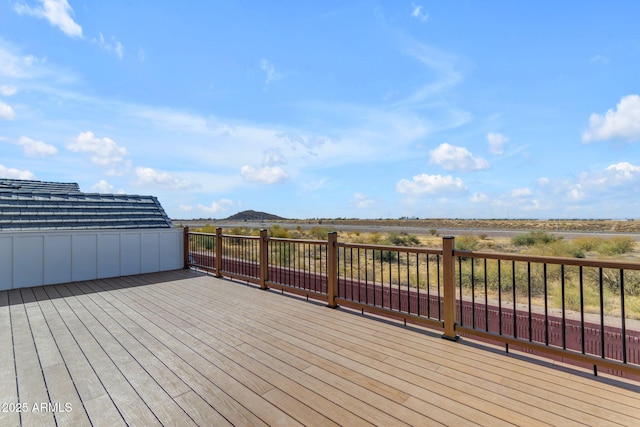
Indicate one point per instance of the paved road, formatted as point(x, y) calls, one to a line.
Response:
point(390, 228)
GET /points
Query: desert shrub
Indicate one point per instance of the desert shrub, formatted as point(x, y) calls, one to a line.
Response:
point(466, 242)
point(465, 277)
point(588, 243)
point(535, 284)
point(611, 280)
point(401, 239)
point(240, 231)
point(433, 232)
point(559, 248)
point(385, 256)
point(209, 242)
point(590, 297)
point(278, 232)
point(375, 238)
point(632, 282)
point(207, 229)
point(616, 246)
point(319, 233)
point(534, 238)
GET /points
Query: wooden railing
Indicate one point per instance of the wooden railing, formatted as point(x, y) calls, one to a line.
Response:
point(570, 309)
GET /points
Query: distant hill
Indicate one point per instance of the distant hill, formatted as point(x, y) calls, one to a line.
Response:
point(252, 215)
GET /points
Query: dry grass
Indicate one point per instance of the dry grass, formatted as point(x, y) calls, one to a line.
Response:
point(586, 225)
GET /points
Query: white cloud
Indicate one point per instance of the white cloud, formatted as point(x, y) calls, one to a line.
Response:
point(543, 181)
point(7, 90)
point(310, 186)
point(624, 171)
point(111, 46)
point(446, 68)
point(14, 65)
point(12, 173)
point(576, 193)
point(534, 205)
point(520, 192)
point(102, 186)
point(361, 201)
point(605, 187)
point(454, 158)
point(33, 148)
point(617, 175)
point(350, 133)
point(497, 142)
point(104, 151)
point(6, 112)
point(161, 179)
point(479, 198)
point(171, 120)
point(270, 72)
point(57, 12)
point(621, 124)
point(430, 184)
point(418, 13)
point(270, 172)
point(264, 175)
point(220, 205)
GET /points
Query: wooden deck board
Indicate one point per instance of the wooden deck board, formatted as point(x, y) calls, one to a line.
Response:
point(287, 318)
point(132, 408)
point(234, 399)
point(311, 332)
point(574, 410)
point(182, 348)
point(121, 351)
point(8, 384)
point(32, 390)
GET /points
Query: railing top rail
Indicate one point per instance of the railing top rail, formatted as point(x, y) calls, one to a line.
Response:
point(550, 260)
point(411, 249)
point(236, 236)
point(201, 234)
point(305, 241)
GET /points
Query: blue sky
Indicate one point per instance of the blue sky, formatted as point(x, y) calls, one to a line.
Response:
point(305, 109)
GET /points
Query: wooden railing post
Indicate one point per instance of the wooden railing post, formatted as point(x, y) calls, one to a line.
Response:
point(448, 279)
point(332, 269)
point(219, 252)
point(185, 246)
point(264, 259)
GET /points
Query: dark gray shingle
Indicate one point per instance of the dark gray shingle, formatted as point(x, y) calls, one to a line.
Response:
point(31, 205)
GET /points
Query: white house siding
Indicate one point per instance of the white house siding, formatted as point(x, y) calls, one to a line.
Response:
point(35, 258)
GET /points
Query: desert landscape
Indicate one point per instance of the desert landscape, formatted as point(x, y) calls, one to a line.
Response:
point(566, 225)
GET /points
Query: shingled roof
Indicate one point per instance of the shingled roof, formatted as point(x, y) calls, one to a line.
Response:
point(39, 205)
point(38, 186)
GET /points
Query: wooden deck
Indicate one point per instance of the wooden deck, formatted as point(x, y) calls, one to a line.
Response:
point(182, 348)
